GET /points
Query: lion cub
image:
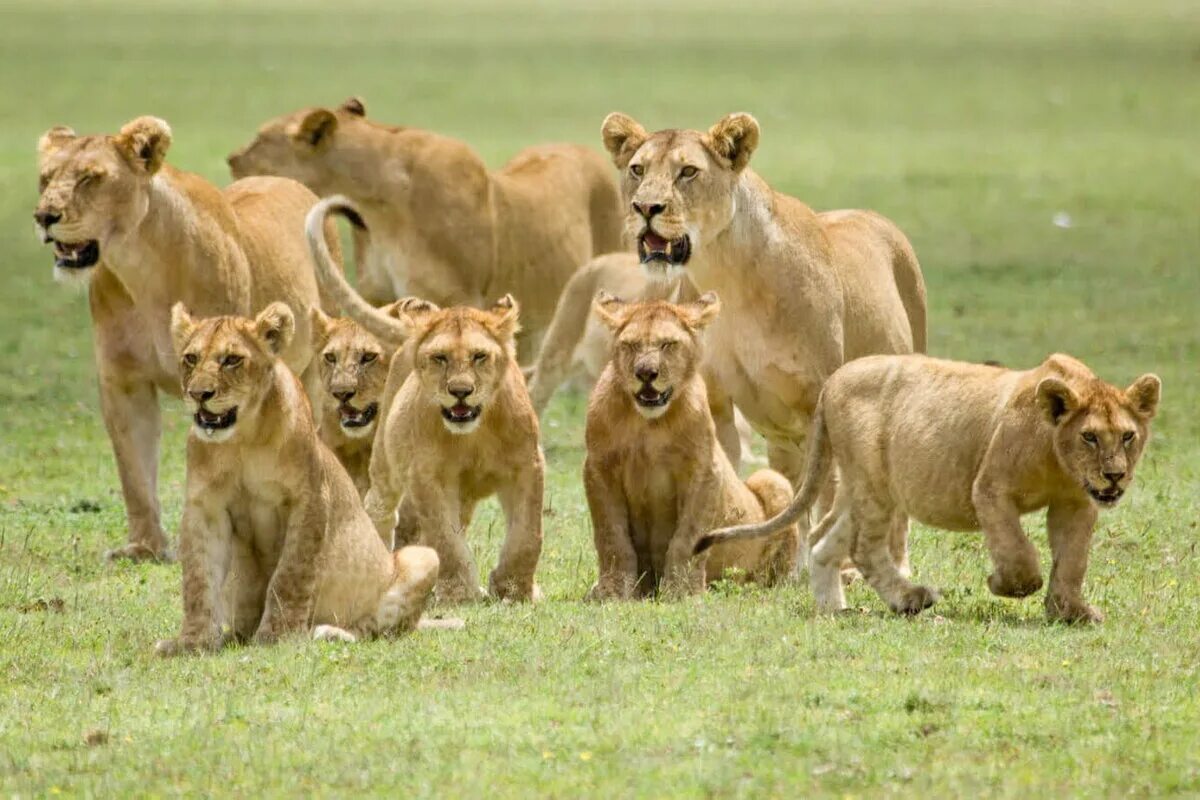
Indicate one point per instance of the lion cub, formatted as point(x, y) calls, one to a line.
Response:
point(655, 475)
point(967, 447)
point(274, 539)
point(354, 367)
point(459, 428)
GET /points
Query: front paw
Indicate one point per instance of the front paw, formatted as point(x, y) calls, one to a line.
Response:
point(136, 552)
point(265, 636)
point(610, 589)
point(512, 589)
point(183, 646)
point(455, 592)
point(1014, 584)
point(1071, 611)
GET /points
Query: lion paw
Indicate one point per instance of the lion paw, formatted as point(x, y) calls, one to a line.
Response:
point(455, 592)
point(915, 600)
point(332, 633)
point(513, 590)
point(1015, 585)
point(139, 552)
point(169, 648)
point(1072, 611)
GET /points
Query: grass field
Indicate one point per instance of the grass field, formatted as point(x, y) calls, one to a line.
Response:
point(972, 127)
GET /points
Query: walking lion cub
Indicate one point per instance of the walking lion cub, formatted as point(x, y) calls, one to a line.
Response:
point(655, 475)
point(966, 447)
point(274, 540)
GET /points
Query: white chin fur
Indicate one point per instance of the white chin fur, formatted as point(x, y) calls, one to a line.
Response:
point(73, 277)
point(661, 271)
point(361, 432)
point(462, 427)
point(651, 412)
point(214, 436)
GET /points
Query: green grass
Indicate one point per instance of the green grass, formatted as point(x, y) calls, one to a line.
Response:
point(970, 126)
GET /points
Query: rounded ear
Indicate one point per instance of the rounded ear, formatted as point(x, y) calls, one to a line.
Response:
point(702, 311)
point(54, 139)
point(145, 141)
point(505, 314)
point(734, 138)
point(274, 326)
point(316, 127)
point(413, 310)
point(610, 310)
point(322, 324)
point(355, 106)
point(182, 326)
point(622, 137)
point(1056, 399)
point(1144, 394)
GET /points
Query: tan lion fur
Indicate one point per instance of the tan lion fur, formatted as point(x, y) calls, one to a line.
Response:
point(274, 539)
point(166, 236)
point(968, 447)
point(440, 224)
point(655, 475)
point(803, 292)
point(430, 468)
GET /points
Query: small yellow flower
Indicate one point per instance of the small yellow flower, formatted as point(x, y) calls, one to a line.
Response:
point(1066, 662)
point(585, 756)
point(546, 754)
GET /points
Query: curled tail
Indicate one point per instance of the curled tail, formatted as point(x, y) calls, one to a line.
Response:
point(379, 324)
point(819, 461)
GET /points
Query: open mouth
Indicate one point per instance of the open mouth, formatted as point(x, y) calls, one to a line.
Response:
point(76, 256)
point(461, 413)
point(351, 417)
point(209, 422)
point(649, 397)
point(1106, 497)
point(652, 247)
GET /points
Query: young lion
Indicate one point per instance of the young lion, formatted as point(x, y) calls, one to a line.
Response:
point(967, 447)
point(655, 475)
point(354, 368)
point(459, 428)
point(274, 540)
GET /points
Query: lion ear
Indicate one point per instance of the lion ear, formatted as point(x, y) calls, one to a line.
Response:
point(355, 106)
point(734, 138)
point(702, 311)
point(610, 310)
point(53, 140)
point(322, 324)
point(145, 141)
point(622, 137)
point(316, 128)
point(1056, 399)
point(505, 317)
point(274, 326)
point(411, 310)
point(182, 327)
point(1144, 394)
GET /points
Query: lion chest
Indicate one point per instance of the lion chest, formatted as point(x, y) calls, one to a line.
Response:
point(654, 482)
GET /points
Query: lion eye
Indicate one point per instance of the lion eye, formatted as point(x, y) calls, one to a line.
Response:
point(1090, 437)
point(43, 182)
point(688, 172)
point(190, 359)
point(636, 170)
point(330, 358)
point(479, 358)
point(231, 361)
point(1128, 437)
point(440, 360)
point(367, 358)
point(668, 346)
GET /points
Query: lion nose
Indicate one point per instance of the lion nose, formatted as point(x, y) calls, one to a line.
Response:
point(46, 218)
point(646, 374)
point(648, 210)
point(461, 392)
point(1114, 475)
point(201, 395)
point(344, 396)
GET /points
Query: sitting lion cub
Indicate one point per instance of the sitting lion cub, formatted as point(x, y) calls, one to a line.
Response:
point(459, 428)
point(655, 475)
point(967, 447)
point(274, 539)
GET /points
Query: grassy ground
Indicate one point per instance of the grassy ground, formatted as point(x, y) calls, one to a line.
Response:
point(971, 127)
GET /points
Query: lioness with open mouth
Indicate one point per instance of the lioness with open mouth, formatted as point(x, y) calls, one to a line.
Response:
point(274, 540)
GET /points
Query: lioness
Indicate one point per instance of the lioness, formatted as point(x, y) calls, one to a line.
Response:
point(354, 369)
point(803, 292)
point(442, 226)
point(656, 477)
point(272, 525)
point(457, 427)
point(148, 235)
point(967, 447)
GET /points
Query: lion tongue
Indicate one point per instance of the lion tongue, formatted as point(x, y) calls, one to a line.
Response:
point(654, 241)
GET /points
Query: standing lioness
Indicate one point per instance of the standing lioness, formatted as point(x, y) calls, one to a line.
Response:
point(967, 447)
point(274, 540)
point(656, 477)
point(148, 236)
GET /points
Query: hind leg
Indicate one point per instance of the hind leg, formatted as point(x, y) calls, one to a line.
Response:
point(874, 525)
point(898, 544)
point(830, 541)
point(403, 603)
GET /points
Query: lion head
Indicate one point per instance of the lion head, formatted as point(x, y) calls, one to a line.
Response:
point(354, 369)
point(95, 188)
point(656, 346)
point(226, 364)
point(296, 146)
point(461, 356)
point(1099, 429)
point(680, 184)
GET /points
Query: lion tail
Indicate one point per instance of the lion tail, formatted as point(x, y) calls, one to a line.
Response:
point(386, 328)
point(818, 464)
